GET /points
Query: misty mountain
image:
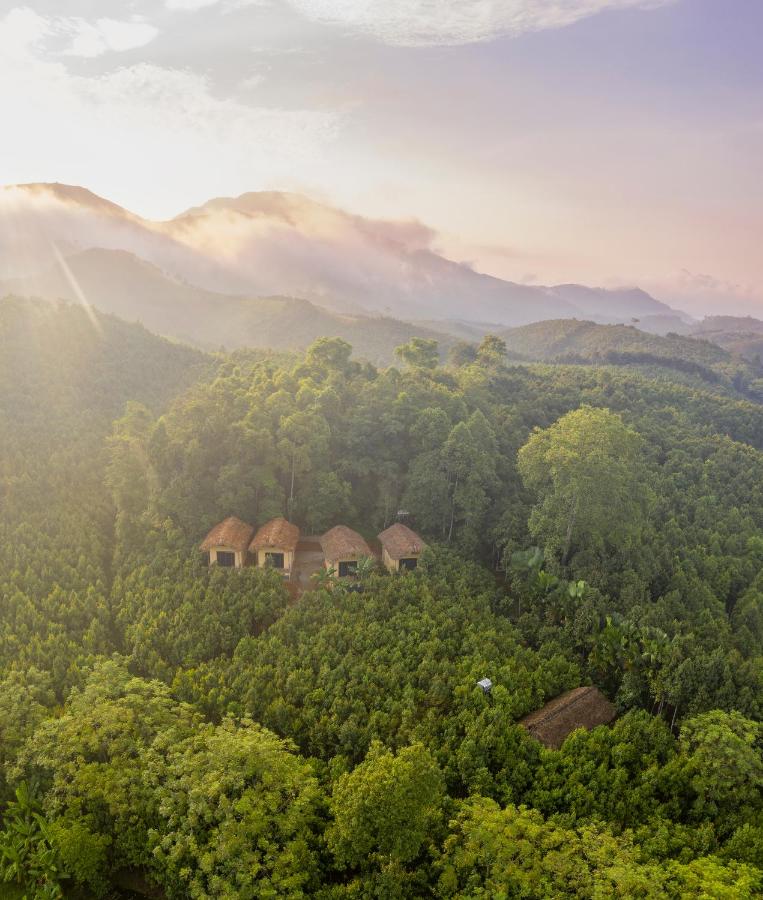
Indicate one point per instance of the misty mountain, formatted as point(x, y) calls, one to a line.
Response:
point(728, 325)
point(118, 282)
point(742, 335)
point(599, 302)
point(281, 244)
point(661, 324)
point(573, 341)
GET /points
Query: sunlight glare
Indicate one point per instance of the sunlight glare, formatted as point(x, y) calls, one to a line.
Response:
point(76, 288)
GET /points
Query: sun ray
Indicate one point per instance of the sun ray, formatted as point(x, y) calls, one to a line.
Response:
point(76, 288)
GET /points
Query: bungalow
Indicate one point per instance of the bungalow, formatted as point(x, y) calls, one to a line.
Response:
point(227, 544)
point(275, 544)
point(401, 548)
point(582, 707)
point(342, 548)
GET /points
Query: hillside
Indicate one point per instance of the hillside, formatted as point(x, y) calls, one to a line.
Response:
point(60, 363)
point(281, 244)
point(65, 375)
point(573, 341)
point(728, 325)
point(742, 335)
point(120, 283)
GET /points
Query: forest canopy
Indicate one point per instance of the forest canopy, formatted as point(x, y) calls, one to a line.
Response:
point(202, 732)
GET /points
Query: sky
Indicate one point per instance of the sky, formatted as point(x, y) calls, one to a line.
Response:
point(611, 142)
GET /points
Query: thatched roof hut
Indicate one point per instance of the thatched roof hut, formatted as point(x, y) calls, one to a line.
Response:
point(583, 707)
point(231, 533)
point(401, 547)
point(342, 544)
point(276, 533)
point(400, 541)
point(275, 545)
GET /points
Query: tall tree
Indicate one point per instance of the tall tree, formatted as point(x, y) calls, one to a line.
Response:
point(419, 353)
point(587, 473)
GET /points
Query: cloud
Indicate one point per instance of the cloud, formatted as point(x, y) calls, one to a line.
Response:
point(21, 30)
point(421, 23)
point(701, 293)
point(189, 5)
point(703, 283)
point(196, 5)
point(24, 30)
point(157, 132)
point(95, 38)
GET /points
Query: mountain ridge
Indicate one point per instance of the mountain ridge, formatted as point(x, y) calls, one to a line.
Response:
point(275, 243)
point(121, 284)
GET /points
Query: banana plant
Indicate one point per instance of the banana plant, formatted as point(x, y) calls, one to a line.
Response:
point(27, 852)
point(324, 578)
point(365, 568)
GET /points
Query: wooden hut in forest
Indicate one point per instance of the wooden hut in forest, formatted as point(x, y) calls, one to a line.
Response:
point(275, 544)
point(401, 548)
point(583, 707)
point(342, 548)
point(227, 544)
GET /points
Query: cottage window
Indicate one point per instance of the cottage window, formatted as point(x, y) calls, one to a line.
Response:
point(275, 560)
point(408, 565)
point(347, 568)
point(226, 559)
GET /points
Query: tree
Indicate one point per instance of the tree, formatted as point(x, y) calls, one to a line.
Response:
point(451, 480)
point(470, 453)
point(387, 809)
point(137, 779)
point(419, 353)
point(587, 473)
point(128, 474)
point(328, 500)
point(26, 698)
point(512, 852)
point(462, 353)
point(723, 757)
point(491, 351)
point(303, 440)
point(329, 354)
point(239, 814)
point(88, 759)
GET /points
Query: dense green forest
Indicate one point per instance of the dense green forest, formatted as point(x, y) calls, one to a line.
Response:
point(699, 357)
point(185, 731)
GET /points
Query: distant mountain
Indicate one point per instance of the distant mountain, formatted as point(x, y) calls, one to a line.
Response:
point(280, 244)
point(728, 325)
point(675, 323)
point(599, 302)
point(573, 341)
point(118, 282)
point(742, 335)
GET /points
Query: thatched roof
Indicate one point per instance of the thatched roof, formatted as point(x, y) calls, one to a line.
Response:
point(231, 532)
point(583, 707)
point(276, 533)
point(400, 542)
point(342, 543)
